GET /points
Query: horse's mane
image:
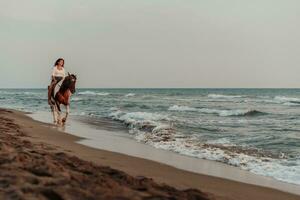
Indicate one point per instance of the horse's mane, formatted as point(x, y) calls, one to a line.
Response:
point(67, 83)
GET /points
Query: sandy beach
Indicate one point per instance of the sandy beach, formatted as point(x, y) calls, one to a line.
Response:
point(38, 161)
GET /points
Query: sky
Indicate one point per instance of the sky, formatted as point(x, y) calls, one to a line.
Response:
point(151, 43)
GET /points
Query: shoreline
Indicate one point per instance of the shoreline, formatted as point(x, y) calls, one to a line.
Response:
point(109, 140)
point(35, 170)
point(162, 173)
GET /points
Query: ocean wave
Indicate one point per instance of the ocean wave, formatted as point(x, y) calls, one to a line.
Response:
point(283, 100)
point(130, 95)
point(29, 93)
point(222, 113)
point(20, 92)
point(191, 125)
point(140, 120)
point(221, 96)
point(273, 101)
point(220, 141)
point(135, 105)
point(138, 116)
point(182, 108)
point(91, 93)
point(224, 151)
point(288, 101)
point(291, 104)
point(226, 113)
point(156, 129)
point(76, 99)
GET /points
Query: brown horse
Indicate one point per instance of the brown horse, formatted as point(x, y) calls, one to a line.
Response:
point(62, 96)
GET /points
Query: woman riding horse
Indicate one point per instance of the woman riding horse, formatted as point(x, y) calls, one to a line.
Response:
point(58, 74)
point(65, 91)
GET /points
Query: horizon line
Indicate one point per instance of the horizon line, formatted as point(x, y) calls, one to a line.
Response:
point(160, 88)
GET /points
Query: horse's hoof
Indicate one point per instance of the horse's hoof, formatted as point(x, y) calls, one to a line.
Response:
point(64, 120)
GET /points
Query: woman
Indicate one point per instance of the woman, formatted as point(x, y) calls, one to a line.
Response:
point(58, 74)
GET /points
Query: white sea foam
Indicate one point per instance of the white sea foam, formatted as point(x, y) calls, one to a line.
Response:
point(139, 119)
point(160, 134)
point(142, 116)
point(222, 113)
point(225, 113)
point(221, 96)
point(291, 104)
point(113, 108)
point(130, 95)
point(286, 99)
point(116, 114)
point(221, 141)
point(161, 128)
point(182, 108)
point(76, 99)
point(29, 93)
point(280, 169)
point(91, 93)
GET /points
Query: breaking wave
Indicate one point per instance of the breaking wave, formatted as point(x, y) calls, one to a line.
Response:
point(76, 99)
point(182, 108)
point(221, 96)
point(278, 168)
point(288, 101)
point(91, 93)
point(130, 95)
point(157, 130)
point(222, 113)
point(140, 120)
point(237, 129)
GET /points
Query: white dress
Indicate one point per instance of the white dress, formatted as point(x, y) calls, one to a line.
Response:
point(58, 73)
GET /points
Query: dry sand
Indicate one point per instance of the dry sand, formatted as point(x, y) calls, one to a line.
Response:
point(39, 161)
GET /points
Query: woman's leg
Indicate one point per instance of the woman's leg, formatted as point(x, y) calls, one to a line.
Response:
point(50, 88)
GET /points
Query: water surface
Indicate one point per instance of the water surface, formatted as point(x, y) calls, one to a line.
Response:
point(253, 129)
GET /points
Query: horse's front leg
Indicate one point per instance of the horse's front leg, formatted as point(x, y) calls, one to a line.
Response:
point(59, 120)
point(58, 116)
point(53, 109)
point(67, 113)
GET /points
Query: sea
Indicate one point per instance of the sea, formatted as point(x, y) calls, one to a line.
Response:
point(257, 130)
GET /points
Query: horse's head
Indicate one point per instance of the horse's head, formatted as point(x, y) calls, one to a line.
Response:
point(70, 82)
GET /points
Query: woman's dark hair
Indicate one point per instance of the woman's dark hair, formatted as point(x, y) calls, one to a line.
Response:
point(58, 60)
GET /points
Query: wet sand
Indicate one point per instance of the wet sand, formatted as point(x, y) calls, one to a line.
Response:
point(44, 162)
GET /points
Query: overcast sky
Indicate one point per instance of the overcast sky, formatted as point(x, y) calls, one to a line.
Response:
point(152, 43)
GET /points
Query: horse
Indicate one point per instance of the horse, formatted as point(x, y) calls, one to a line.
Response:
point(61, 95)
